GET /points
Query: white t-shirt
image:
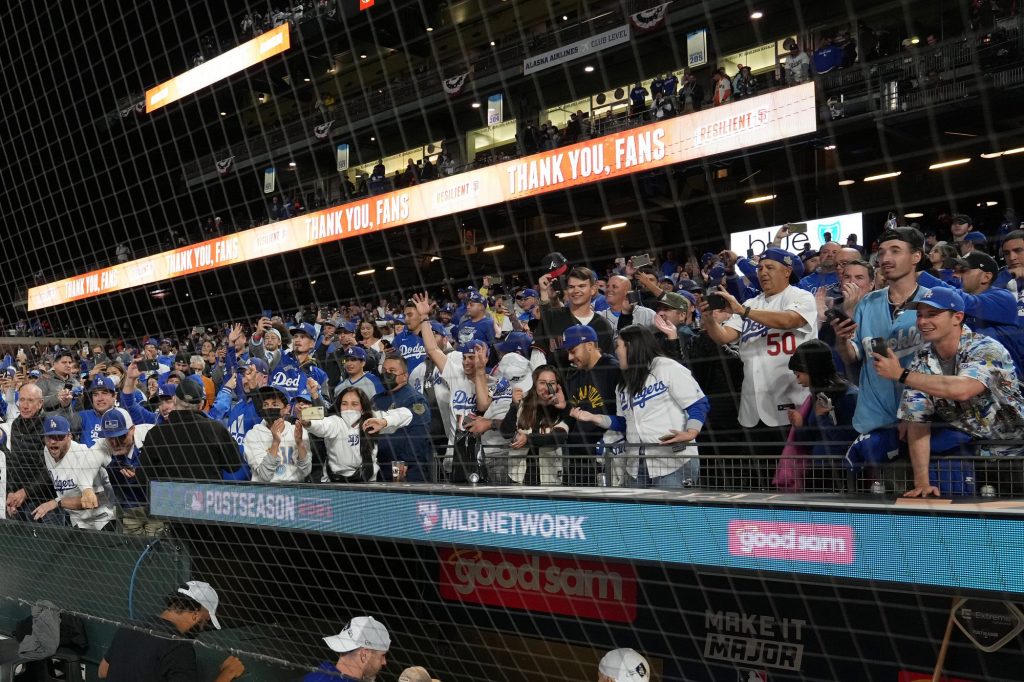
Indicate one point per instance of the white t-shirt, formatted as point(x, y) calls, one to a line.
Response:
point(285, 466)
point(655, 411)
point(769, 387)
point(78, 469)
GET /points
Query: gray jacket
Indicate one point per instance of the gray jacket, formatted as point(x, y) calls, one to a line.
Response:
point(641, 316)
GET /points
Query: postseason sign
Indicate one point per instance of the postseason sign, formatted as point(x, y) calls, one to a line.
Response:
point(747, 123)
point(580, 48)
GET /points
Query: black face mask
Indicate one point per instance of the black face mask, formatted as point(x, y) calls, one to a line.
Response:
point(268, 414)
point(389, 380)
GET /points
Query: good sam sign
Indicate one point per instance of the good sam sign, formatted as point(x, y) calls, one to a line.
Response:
point(586, 589)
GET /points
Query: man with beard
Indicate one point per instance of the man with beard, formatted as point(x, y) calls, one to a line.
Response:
point(362, 645)
point(266, 342)
point(79, 479)
point(28, 484)
point(119, 445)
point(825, 276)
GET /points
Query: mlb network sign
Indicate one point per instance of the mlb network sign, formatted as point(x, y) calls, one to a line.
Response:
point(818, 231)
point(500, 522)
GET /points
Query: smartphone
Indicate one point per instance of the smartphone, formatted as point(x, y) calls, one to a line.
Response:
point(750, 253)
point(642, 261)
point(795, 228)
point(833, 314)
point(879, 345)
point(716, 302)
point(312, 414)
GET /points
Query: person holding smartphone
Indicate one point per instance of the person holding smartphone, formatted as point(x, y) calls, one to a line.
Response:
point(535, 426)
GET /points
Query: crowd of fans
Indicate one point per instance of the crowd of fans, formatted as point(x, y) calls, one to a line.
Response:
point(908, 350)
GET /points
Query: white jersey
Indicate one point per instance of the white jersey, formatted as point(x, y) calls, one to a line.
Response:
point(463, 400)
point(537, 358)
point(769, 387)
point(343, 441)
point(284, 466)
point(657, 410)
point(78, 469)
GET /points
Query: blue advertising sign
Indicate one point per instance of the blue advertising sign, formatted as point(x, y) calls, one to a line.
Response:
point(969, 552)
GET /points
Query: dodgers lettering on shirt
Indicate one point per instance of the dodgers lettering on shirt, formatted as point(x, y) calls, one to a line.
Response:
point(62, 485)
point(410, 347)
point(647, 394)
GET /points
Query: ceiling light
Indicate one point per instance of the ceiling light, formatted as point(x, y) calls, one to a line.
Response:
point(223, 113)
point(434, 258)
point(588, 69)
point(565, 17)
point(373, 139)
point(913, 215)
point(756, 15)
point(829, 147)
point(476, 105)
point(882, 176)
point(758, 200)
point(312, 282)
point(291, 164)
point(991, 203)
point(915, 40)
point(362, 56)
point(305, 80)
point(947, 164)
point(493, 43)
point(496, 247)
point(844, 183)
point(390, 267)
point(993, 155)
point(564, 235)
point(613, 226)
point(366, 272)
point(430, 29)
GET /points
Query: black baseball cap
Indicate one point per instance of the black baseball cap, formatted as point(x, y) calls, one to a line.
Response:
point(909, 235)
point(977, 260)
point(962, 218)
point(190, 392)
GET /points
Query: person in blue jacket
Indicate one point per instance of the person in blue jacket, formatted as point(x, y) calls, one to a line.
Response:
point(135, 409)
point(826, 275)
point(411, 444)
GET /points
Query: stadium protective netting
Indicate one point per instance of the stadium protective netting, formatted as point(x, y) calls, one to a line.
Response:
point(225, 224)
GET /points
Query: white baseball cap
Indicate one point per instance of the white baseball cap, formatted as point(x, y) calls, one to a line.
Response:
point(362, 632)
point(205, 595)
point(625, 665)
point(414, 674)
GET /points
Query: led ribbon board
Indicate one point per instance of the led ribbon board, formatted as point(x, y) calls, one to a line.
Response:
point(746, 123)
point(231, 62)
point(969, 552)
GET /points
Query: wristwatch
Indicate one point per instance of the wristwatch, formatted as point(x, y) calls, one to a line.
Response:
point(904, 375)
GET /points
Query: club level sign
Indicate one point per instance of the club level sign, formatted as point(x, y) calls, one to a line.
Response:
point(988, 624)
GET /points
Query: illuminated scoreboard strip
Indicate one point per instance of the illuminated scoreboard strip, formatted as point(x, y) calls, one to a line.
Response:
point(747, 123)
point(231, 62)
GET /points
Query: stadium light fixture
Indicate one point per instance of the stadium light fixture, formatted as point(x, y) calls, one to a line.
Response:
point(916, 214)
point(566, 235)
point(588, 69)
point(434, 258)
point(291, 164)
point(373, 139)
point(389, 268)
point(883, 176)
point(995, 155)
point(613, 226)
point(760, 199)
point(496, 247)
point(305, 80)
point(476, 105)
point(430, 29)
point(362, 56)
point(756, 15)
point(312, 282)
point(845, 183)
point(829, 147)
point(366, 272)
point(948, 164)
point(565, 17)
point(493, 43)
point(223, 113)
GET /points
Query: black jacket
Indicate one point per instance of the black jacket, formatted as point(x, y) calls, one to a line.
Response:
point(189, 445)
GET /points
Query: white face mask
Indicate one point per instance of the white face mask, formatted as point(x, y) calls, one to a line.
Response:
point(350, 417)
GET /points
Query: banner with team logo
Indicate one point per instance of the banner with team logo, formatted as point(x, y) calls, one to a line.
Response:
point(269, 180)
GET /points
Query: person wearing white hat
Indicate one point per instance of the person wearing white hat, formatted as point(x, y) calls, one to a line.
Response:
point(159, 650)
point(623, 665)
point(415, 674)
point(363, 645)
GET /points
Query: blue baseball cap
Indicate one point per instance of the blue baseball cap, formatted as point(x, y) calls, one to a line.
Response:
point(400, 317)
point(515, 342)
point(687, 285)
point(941, 298)
point(787, 258)
point(349, 327)
point(438, 328)
point(304, 396)
point(476, 298)
point(103, 383)
point(354, 353)
point(56, 426)
point(578, 334)
point(448, 308)
point(34, 374)
point(688, 295)
point(150, 342)
point(261, 365)
point(716, 272)
point(114, 423)
point(169, 342)
point(304, 328)
point(471, 346)
point(976, 237)
point(166, 391)
point(527, 293)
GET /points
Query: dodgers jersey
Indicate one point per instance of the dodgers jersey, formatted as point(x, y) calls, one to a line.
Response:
point(410, 347)
point(77, 470)
point(879, 398)
point(769, 387)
